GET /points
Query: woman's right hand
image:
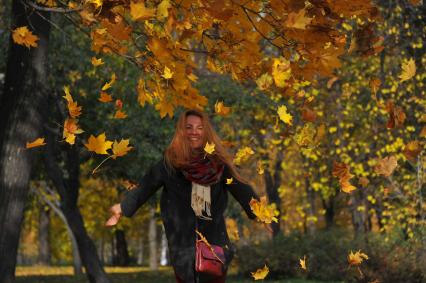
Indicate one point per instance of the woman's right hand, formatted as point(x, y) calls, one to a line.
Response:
point(115, 215)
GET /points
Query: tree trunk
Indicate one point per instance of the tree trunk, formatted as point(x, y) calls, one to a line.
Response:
point(272, 184)
point(329, 212)
point(311, 209)
point(20, 121)
point(43, 236)
point(122, 254)
point(152, 238)
point(164, 249)
point(140, 251)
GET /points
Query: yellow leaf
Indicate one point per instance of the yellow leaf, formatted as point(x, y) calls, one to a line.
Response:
point(167, 74)
point(266, 213)
point(98, 144)
point(70, 130)
point(408, 70)
point(298, 20)
point(284, 115)
point(165, 108)
point(243, 155)
point(281, 71)
point(221, 109)
point(386, 166)
point(229, 181)
point(302, 263)
point(97, 3)
point(97, 62)
point(110, 83)
point(162, 10)
point(105, 97)
point(260, 273)
point(264, 81)
point(209, 148)
point(143, 95)
point(356, 258)
point(35, 143)
point(120, 148)
point(120, 114)
point(73, 108)
point(23, 36)
point(138, 11)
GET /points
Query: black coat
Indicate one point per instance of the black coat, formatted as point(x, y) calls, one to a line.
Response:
point(179, 218)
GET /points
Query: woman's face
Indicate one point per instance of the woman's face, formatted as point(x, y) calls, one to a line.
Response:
point(194, 131)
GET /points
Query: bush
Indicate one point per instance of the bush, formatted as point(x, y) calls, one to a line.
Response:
point(391, 257)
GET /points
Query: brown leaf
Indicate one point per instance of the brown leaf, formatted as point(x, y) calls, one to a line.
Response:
point(386, 166)
point(412, 150)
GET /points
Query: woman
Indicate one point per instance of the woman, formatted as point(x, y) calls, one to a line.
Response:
point(194, 195)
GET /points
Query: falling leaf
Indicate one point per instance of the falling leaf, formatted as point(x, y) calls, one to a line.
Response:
point(412, 150)
point(162, 11)
point(73, 108)
point(284, 115)
point(221, 109)
point(408, 70)
point(396, 115)
point(302, 263)
point(110, 83)
point(260, 273)
point(98, 144)
point(281, 71)
point(120, 115)
point(341, 171)
point(363, 181)
point(167, 74)
point(229, 181)
point(120, 148)
point(298, 20)
point(266, 213)
point(356, 258)
point(70, 130)
point(243, 155)
point(209, 148)
point(138, 11)
point(386, 166)
point(232, 228)
point(36, 143)
point(23, 36)
point(375, 85)
point(97, 62)
point(105, 97)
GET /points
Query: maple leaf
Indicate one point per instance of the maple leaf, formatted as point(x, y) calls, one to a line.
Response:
point(138, 11)
point(356, 258)
point(386, 166)
point(284, 115)
point(396, 115)
point(281, 71)
point(162, 9)
point(341, 171)
point(264, 81)
point(260, 273)
point(167, 74)
point(143, 95)
point(243, 155)
point(97, 62)
point(229, 181)
point(105, 97)
point(110, 83)
point(266, 213)
point(165, 108)
point(302, 263)
point(23, 36)
point(37, 142)
point(221, 109)
point(98, 144)
point(120, 115)
point(408, 70)
point(70, 130)
point(298, 20)
point(120, 148)
point(411, 150)
point(73, 108)
point(209, 148)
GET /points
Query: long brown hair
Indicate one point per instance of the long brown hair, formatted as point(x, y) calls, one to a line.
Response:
point(178, 153)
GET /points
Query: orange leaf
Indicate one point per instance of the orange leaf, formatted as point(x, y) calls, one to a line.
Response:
point(138, 11)
point(120, 148)
point(386, 166)
point(23, 36)
point(105, 97)
point(98, 144)
point(120, 115)
point(35, 143)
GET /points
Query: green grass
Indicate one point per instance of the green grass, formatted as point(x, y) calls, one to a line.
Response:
point(42, 274)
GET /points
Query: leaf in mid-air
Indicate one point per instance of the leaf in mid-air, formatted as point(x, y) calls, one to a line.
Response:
point(260, 273)
point(221, 109)
point(23, 36)
point(302, 263)
point(386, 166)
point(356, 258)
point(110, 83)
point(120, 148)
point(284, 115)
point(98, 144)
point(408, 70)
point(266, 213)
point(209, 148)
point(35, 143)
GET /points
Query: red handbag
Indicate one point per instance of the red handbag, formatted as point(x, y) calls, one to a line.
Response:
point(209, 259)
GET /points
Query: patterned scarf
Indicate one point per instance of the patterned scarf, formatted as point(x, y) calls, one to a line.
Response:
point(202, 172)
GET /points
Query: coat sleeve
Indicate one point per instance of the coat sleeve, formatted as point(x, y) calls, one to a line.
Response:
point(242, 192)
point(147, 186)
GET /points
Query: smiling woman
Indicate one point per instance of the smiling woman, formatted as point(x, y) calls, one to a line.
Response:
point(194, 197)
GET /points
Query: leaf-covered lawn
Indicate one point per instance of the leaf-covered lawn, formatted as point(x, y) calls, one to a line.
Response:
point(41, 274)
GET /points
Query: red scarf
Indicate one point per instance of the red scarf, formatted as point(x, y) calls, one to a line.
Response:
point(203, 170)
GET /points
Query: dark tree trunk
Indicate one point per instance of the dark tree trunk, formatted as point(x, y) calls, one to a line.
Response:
point(21, 120)
point(329, 212)
point(43, 236)
point(311, 210)
point(122, 254)
point(272, 184)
